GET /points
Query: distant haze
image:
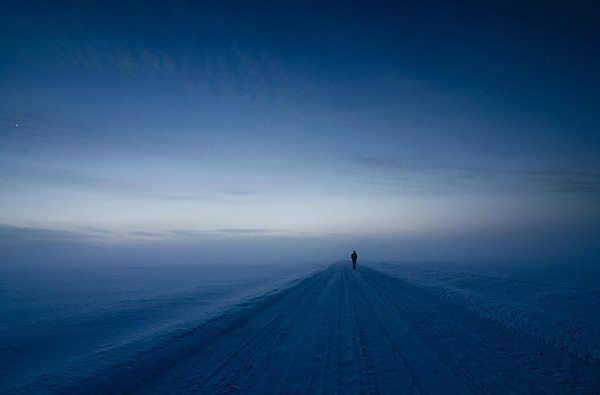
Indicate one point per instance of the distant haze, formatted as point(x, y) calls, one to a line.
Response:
point(136, 133)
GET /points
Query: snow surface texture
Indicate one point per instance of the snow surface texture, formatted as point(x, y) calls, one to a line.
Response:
point(556, 305)
point(335, 331)
point(63, 327)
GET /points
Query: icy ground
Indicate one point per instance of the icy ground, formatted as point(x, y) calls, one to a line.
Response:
point(383, 328)
point(344, 331)
point(63, 328)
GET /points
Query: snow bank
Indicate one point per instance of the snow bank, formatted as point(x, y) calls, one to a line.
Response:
point(560, 306)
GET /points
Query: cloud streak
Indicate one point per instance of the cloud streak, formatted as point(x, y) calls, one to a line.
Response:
point(421, 174)
point(24, 235)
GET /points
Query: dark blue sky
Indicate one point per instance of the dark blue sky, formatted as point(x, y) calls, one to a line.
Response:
point(415, 130)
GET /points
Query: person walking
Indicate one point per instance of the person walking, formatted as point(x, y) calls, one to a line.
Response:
point(354, 257)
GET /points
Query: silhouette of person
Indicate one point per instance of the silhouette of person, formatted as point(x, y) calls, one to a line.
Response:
point(354, 257)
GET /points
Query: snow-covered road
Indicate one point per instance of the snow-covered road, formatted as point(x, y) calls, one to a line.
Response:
point(362, 331)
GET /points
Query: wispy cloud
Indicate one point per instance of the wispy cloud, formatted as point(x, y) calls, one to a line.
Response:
point(420, 174)
point(147, 234)
point(249, 231)
point(26, 235)
point(561, 181)
point(93, 178)
point(16, 235)
point(35, 175)
point(198, 234)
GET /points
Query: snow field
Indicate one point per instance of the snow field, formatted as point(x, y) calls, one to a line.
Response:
point(383, 328)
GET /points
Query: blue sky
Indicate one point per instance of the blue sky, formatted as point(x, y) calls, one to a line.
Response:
point(299, 130)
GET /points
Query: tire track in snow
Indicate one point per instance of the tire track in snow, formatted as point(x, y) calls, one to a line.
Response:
point(366, 345)
point(345, 331)
point(392, 372)
point(264, 341)
point(400, 320)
